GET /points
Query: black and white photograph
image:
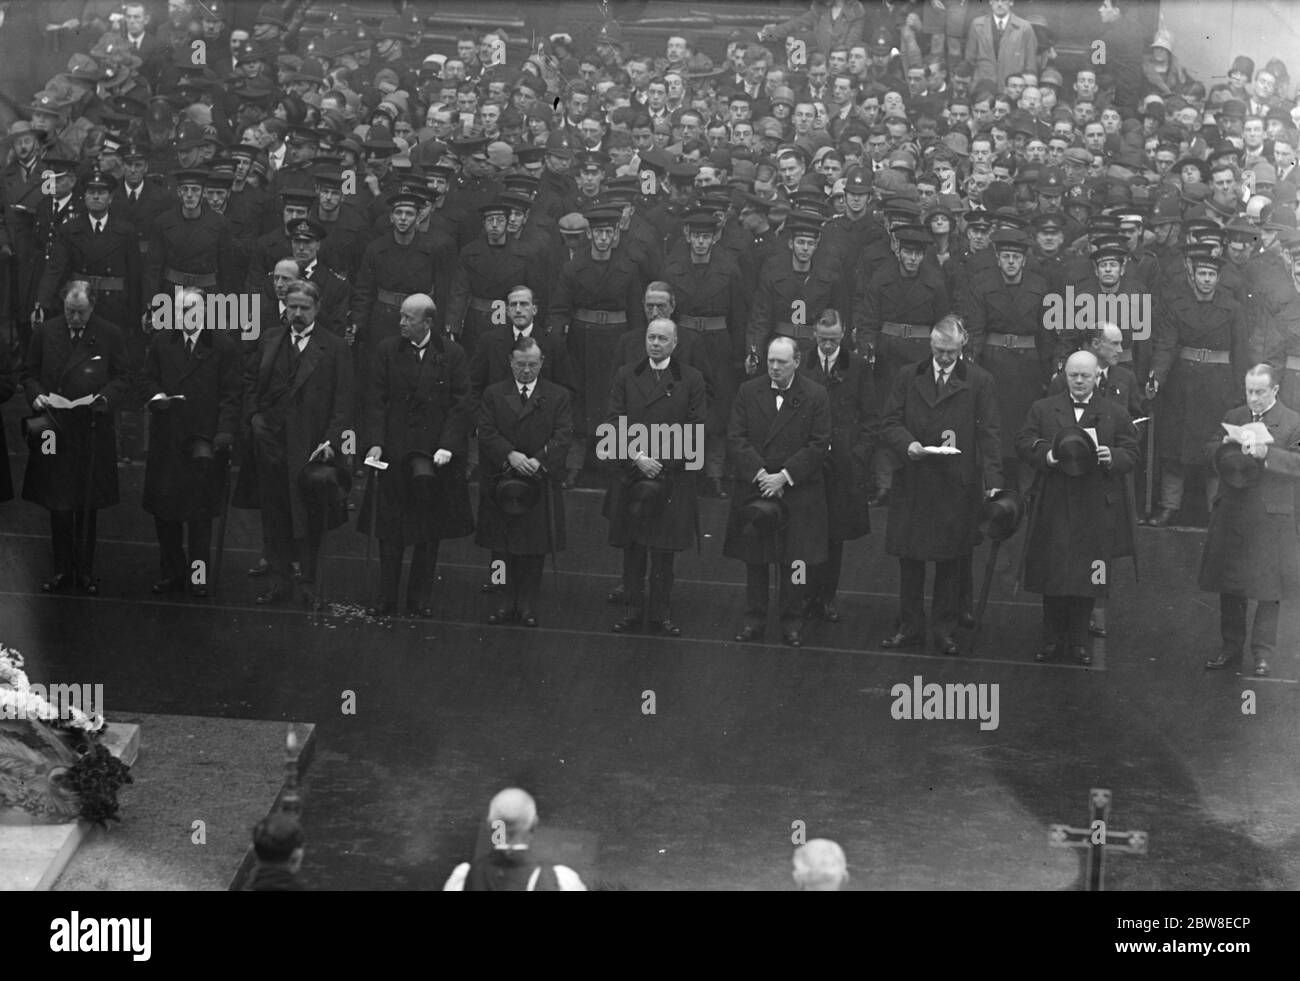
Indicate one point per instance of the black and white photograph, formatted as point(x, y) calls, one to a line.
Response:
point(652, 446)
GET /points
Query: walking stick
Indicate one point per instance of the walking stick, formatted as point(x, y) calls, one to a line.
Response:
point(1034, 495)
point(372, 491)
point(1151, 455)
point(984, 593)
point(222, 513)
point(83, 542)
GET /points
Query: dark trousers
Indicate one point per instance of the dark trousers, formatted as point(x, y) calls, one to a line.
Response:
point(790, 597)
point(661, 580)
point(966, 583)
point(1065, 619)
point(283, 549)
point(524, 581)
point(825, 578)
point(1232, 621)
point(911, 599)
point(72, 534)
point(419, 586)
point(171, 547)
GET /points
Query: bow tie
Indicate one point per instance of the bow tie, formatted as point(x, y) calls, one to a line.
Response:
point(1081, 405)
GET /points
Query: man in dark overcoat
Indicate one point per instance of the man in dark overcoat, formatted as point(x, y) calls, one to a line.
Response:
point(72, 471)
point(657, 391)
point(945, 402)
point(525, 425)
point(417, 415)
point(1070, 544)
point(1200, 352)
point(854, 423)
point(490, 362)
point(776, 448)
point(193, 381)
point(8, 385)
point(1250, 549)
point(297, 405)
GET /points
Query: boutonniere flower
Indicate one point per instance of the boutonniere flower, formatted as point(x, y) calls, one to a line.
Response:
point(668, 391)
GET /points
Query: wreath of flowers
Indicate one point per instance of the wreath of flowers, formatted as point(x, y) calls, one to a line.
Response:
point(18, 701)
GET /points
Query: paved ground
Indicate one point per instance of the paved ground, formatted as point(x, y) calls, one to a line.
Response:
point(744, 742)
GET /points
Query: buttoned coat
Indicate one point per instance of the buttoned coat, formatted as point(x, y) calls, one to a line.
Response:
point(1017, 52)
point(855, 425)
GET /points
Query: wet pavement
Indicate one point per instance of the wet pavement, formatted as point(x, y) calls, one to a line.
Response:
point(746, 745)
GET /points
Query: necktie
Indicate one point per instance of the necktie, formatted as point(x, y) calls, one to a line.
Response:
point(523, 394)
point(76, 337)
point(98, 226)
point(826, 367)
point(1258, 417)
point(943, 382)
point(134, 195)
point(300, 341)
point(1081, 405)
point(189, 347)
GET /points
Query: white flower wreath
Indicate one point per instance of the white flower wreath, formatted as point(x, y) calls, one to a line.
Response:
point(18, 701)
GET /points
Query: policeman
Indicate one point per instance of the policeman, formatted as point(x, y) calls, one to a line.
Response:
point(793, 290)
point(305, 238)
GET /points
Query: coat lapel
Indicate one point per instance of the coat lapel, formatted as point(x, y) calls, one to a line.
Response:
point(274, 339)
point(307, 362)
point(791, 405)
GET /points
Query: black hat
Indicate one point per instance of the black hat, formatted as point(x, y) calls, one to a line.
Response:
point(298, 195)
point(100, 180)
point(978, 218)
point(646, 496)
point(497, 207)
point(420, 475)
point(1001, 515)
point(306, 228)
point(516, 495)
point(324, 483)
point(763, 514)
point(912, 235)
point(1075, 452)
point(1108, 252)
point(198, 451)
point(701, 219)
point(1048, 223)
point(603, 216)
point(35, 427)
point(404, 196)
point(219, 179)
point(1235, 468)
point(86, 378)
point(1012, 239)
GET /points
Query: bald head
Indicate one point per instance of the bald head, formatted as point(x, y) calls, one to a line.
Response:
point(415, 318)
point(820, 866)
point(1081, 373)
point(516, 810)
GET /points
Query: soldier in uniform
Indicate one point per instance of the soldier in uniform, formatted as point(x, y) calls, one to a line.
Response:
point(488, 267)
point(657, 391)
point(1250, 549)
point(72, 357)
point(524, 427)
point(1200, 348)
point(854, 424)
point(296, 173)
point(194, 383)
point(944, 401)
point(710, 305)
point(491, 361)
point(141, 197)
point(597, 298)
point(418, 419)
point(189, 245)
point(1111, 276)
point(1009, 341)
point(38, 230)
point(793, 290)
point(20, 195)
point(274, 245)
point(894, 312)
point(346, 231)
point(776, 447)
point(297, 404)
point(394, 266)
point(305, 238)
point(1079, 507)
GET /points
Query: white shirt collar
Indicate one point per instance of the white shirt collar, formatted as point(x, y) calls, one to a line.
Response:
point(660, 365)
point(526, 332)
point(311, 266)
point(832, 358)
point(939, 372)
point(529, 387)
point(305, 332)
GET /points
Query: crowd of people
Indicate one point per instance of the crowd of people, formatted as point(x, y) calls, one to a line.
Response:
point(468, 257)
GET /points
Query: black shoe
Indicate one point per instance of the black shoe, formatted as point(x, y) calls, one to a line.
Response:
point(58, 583)
point(88, 585)
point(948, 646)
point(385, 609)
point(966, 620)
point(1095, 630)
point(749, 633)
point(1048, 652)
point(1224, 659)
point(616, 597)
point(668, 628)
point(829, 613)
point(791, 638)
point(528, 618)
point(1261, 668)
point(166, 586)
point(501, 616)
point(1162, 518)
point(627, 624)
point(901, 640)
point(1081, 654)
point(423, 612)
point(277, 594)
point(261, 569)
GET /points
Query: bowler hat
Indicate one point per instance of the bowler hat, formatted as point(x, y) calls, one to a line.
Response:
point(420, 474)
point(646, 496)
point(324, 483)
point(1075, 452)
point(1235, 468)
point(1001, 515)
point(86, 378)
point(35, 427)
point(198, 451)
point(764, 514)
point(516, 495)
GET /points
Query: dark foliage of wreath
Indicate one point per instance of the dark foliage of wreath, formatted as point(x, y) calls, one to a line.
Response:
point(96, 778)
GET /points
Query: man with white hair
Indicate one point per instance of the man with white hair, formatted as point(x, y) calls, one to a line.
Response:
point(820, 866)
point(511, 865)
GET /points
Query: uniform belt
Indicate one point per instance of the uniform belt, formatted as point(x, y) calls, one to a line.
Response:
point(104, 284)
point(801, 332)
point(703, 323)
point(1017, 342)
point(189, 279)
point(1293, 362)
point(481, 305)
point(1204, 354)
point(1124, 357)
point(905, 331)
point(391, 298)
point(600, 316)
